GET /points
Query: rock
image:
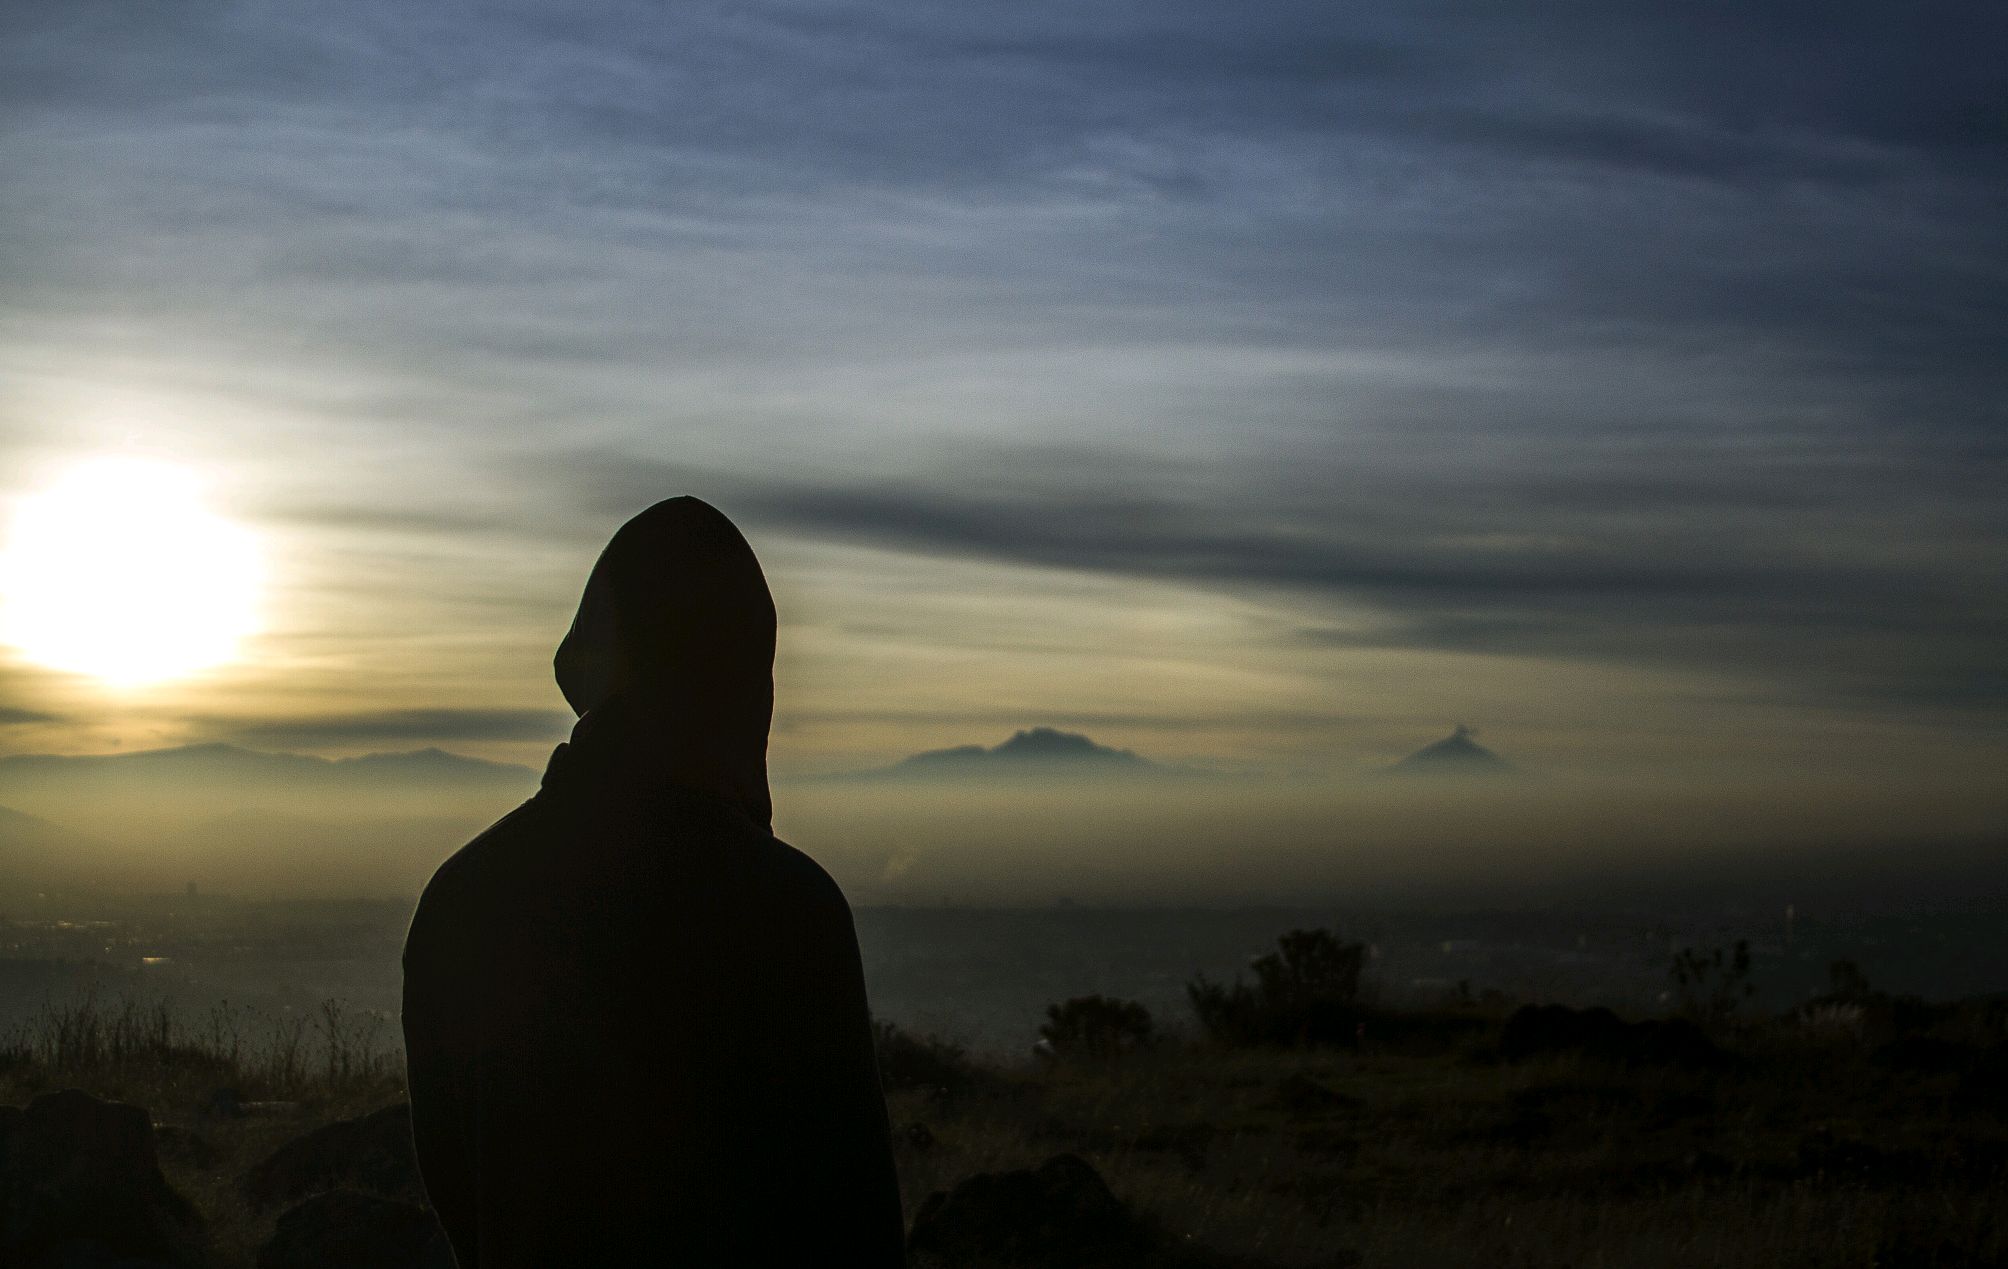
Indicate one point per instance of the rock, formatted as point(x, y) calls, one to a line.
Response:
point(222, 1103)
point(1552, 1030)
point(373, 1153)
point(1542, 1030)
point(1058, 1216)
point(1672, 1042)
point(1305, 1097)
point(185, 1146)
point(80, 1184)
point(918, 1136)
point(347, 1229)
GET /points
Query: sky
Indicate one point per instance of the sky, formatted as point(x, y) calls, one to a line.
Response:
point(1265, 388)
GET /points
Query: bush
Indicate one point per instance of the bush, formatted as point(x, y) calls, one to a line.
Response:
point(1305, 992)
point(1096, 1027)
point(906, 1060)
point(1711, 985)
point(1880, 1017)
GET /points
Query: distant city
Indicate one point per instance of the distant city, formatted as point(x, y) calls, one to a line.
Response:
point(983, 976)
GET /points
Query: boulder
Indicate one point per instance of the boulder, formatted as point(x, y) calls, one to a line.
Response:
point(1672, 1042)
point(1305, 1098)
point(1059, 1215)
point(372, 1153)
point(185, 1146)
point(1555, 1030)
point(223, 1102)
point(80, 1184)
point(1543, 1030)
point(348, 1229)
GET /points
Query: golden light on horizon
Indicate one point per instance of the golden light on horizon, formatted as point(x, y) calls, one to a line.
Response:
point(118, 571)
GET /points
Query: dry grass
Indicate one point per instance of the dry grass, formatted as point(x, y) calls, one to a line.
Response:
point(143, 1051)
point(1454, 1160)
point(1809, 1149)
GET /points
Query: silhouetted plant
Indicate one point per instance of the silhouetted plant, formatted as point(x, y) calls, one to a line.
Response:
point(89, 1041)
point(1847, 984)
point(906, 1060)
point(1882, 1015)
point(1305, 992)
point(1711, 985)
point(1098, 1027)
point(349, 1043)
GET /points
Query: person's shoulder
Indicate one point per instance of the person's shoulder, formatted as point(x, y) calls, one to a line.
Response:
point(491, 849)
point(805, 880)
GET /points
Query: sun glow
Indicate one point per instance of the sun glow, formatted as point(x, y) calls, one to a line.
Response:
point(118, 571)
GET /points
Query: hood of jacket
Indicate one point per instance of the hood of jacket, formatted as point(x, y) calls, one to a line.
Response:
point(670, 660)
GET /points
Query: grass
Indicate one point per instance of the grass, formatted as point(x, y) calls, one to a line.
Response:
point(225, 1089)
point(1802, 1152)
point(143, 1051)
point(1813, 1145)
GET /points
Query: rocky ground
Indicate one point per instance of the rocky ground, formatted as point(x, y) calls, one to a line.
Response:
point(1549, 1138)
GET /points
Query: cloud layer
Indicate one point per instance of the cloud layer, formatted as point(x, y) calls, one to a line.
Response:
point(1562, 334)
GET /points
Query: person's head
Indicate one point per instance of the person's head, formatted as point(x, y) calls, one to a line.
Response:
point(677, 595)
point(677, 624)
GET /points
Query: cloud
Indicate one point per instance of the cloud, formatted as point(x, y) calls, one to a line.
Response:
point(396, 727)
point(1807, 567)
point(1550, 330)
point(11, 716)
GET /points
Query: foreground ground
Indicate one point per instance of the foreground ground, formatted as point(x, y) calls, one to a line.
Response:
point(1803, 1142)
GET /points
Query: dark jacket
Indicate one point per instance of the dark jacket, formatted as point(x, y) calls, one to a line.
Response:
point(635, 1021)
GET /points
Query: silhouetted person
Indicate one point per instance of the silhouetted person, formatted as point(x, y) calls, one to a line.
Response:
point(635, 1021)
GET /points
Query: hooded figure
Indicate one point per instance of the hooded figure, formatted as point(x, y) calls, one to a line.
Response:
point(634, 1020)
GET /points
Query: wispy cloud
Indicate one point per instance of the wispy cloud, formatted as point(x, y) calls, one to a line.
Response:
point(395, 727)
point(1804, 566)
point(1576, 332)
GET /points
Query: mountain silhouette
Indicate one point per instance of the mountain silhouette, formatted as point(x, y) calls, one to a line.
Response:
point(1455, 755)
point(1034, 753)
point(197, 782)
point(230, 762)
point(33, 851)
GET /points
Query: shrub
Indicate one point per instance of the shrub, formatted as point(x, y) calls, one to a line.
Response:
point(1878, 1016)
point(1711, 985)
point(1847, 984)
point(906, 1060)
point(1305, 992)
point(1096, 1027)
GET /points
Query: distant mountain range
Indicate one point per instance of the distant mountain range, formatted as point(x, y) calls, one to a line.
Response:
point(1041, 753)
point(123, 795)
point(1455, 755)
point(234, 818)
point(221, 761)
point(33, 851)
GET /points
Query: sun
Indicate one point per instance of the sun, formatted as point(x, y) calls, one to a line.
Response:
point(119, 572)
